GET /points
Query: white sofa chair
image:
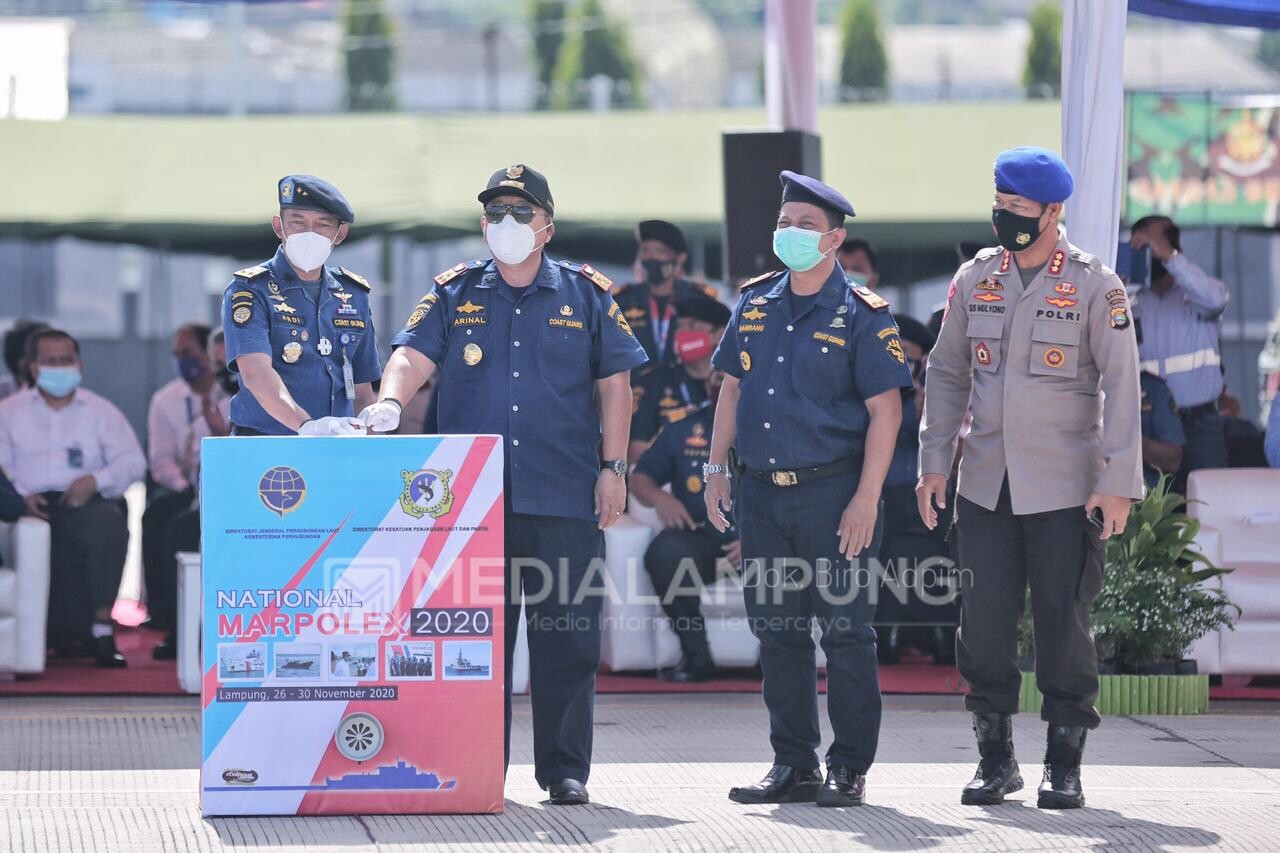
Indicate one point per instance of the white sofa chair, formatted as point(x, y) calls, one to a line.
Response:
point(1241, 508)
point(24, 596)
point(190, 618)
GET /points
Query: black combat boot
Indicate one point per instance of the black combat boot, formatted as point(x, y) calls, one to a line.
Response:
point(1061, 786)
point(997, 772)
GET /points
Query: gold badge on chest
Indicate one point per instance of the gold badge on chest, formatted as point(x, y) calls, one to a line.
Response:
point(472, 354)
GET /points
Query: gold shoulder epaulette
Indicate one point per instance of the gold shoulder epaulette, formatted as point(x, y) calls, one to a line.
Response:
point(250, 272)
point(758, 279)
point(359, 280)
point(453, 272)
point(598, 278)
point(868, 296)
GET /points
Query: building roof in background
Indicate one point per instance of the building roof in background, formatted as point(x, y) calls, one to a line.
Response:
point(185, 180)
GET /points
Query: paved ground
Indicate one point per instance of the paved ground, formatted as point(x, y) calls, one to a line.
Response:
point(117, 774)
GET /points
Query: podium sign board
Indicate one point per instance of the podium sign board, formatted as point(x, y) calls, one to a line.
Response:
point(352, 633)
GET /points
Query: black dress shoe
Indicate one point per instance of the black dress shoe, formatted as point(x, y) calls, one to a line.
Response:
point(843, 787)
point(888, 645)
point(166, 649)
point(944, 645)
point(693, 667)
point(997, 772)
point(568, 792)
point(105, 653)
point(782, 784)
point(1060, 788)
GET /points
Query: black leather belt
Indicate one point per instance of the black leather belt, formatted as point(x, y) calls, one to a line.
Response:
point(1203, 408)
point(779, 477)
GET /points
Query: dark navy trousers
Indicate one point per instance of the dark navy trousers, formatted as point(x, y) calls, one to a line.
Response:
point(550, 561)
point(793, 573)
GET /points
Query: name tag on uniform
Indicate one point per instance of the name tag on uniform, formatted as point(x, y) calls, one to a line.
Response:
point(348, 377)
point(75, 457)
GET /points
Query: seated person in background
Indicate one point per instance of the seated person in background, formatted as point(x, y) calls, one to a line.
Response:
point(15, 357)
point(700, 322)
point(903, 616)
point(689, 553)
point(1162, 435)
point(183, 531)
point(174, 408)
point(1244, 439)
point(72, 454)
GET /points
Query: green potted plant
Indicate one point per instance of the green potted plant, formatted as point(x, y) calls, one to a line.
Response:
point(1154, 604)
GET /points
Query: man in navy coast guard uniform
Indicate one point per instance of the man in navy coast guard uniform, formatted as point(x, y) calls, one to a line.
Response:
point(812, 406)
point(300, 334)
point(527, 348)
point(649, 305)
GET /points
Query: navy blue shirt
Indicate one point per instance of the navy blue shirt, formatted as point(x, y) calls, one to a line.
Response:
point(650, 321)
point(677, 455)
point(906, 453)
point(522, 363)
point(1159, 419)
point(804, 379)
point(308, 334)
point(660, 392)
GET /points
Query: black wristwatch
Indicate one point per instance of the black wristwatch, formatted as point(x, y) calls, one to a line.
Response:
point(617, 466)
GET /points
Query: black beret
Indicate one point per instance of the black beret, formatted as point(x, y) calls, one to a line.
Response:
point(704, 308)
point(307, 192)
point(519, 180)
point(910, 329)
point(664, 232)
point(797, 187)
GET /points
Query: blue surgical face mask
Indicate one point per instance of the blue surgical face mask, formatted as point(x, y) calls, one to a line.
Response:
point(798, 247)
point(190, 368)
point(58, 381)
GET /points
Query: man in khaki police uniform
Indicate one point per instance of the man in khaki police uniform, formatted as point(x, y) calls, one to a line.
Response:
point(1038, 341)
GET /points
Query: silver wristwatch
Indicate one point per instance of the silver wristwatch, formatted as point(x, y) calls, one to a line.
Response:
point(617, 466)
point(708, 469)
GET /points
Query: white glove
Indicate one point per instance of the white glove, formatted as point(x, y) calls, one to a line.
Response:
point(331, 426)
point(382, 416)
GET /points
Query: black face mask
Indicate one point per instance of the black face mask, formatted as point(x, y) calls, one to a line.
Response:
point(227, 380)
point(1158, 269)
point(1016, 233)
point(656, 272)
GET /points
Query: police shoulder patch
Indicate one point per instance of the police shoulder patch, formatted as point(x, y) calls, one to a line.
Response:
point(250, 272)
point(868, 296)
point(454, 271)
point(359, 280)
point(763, 277)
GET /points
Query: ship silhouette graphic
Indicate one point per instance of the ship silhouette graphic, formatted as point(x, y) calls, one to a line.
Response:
point(389, 777)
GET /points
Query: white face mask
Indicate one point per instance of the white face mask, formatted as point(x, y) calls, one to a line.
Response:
point(307, 250)
point(510, 241)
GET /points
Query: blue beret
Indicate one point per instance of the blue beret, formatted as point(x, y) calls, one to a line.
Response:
point(797, 187)
point(307, 192)
point(1034, 173)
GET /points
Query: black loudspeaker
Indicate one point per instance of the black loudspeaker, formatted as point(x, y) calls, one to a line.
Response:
point(753, 194)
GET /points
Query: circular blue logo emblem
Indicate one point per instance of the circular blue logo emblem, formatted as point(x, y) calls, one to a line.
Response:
point(282, 490)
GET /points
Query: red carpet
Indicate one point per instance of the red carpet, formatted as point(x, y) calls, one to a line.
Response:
point(147, 677)
point(913, 675)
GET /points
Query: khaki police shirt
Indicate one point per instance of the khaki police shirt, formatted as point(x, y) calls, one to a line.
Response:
point(1050, 372)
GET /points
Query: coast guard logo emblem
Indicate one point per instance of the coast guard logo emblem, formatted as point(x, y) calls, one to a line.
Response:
point(426, 492)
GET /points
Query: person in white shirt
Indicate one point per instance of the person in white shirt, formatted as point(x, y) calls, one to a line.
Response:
point(71, 455)
point(183, 531)
point(175, 409)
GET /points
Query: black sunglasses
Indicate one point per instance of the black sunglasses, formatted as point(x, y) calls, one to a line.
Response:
point(522, 213)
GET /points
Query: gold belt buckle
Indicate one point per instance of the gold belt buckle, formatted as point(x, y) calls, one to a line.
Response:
point(784, 478)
